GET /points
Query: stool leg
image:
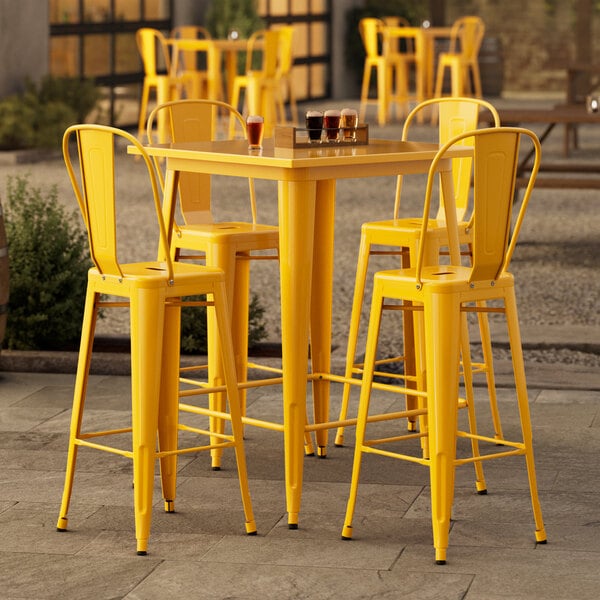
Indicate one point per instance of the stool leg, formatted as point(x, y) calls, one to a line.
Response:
point(383, 87)
point(468, 381)
point(488, 359)
point(239, 320)
point(363, 407)
point(364, 92)
point(147, 322)
point(83, 368)
point(219, 255)
point(357, 301)
point(224, 327)
point(168, 412)
point(143, 109)
point(442, 333)
point(516, 350)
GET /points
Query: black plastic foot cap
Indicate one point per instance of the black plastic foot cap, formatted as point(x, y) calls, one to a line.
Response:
point(346, 538)
point(141, 553)
point(216, 468)
point(252, 533)
point(292, 525)
point(543, 542)
point(440, 562)
point(482, 492)
point(310, 454)
point(60, 530)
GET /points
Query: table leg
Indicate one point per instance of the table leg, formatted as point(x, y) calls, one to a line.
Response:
point(296, 224)
point(321, 305)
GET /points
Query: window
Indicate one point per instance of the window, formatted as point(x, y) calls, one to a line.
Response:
point(96, 38)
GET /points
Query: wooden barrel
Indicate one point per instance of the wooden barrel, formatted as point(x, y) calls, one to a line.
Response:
point(3, 278)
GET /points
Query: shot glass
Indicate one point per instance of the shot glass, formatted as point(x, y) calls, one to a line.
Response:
point(331, 123)
point(255, 125)
point(314, 124)
point(348, 124)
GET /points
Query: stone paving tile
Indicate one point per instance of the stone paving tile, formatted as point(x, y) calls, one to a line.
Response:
point(515, 573)
point(273, 582)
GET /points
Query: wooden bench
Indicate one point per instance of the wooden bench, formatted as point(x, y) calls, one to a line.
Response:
point(577, 175)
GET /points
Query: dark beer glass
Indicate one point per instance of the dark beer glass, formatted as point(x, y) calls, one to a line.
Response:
point(314, 124)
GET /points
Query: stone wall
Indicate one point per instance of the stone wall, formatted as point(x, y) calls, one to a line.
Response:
point(536, 39)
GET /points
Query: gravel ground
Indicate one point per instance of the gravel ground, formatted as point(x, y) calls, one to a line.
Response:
point(556, 262)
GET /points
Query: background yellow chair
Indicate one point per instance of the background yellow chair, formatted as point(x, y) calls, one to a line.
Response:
point(441, 293)
point(154, 51)
point(260, 84)
point(228, 245)
point(462, 59)
point(195, 78)
point(401, 237)
point(388, 66)
point(285, 63)
point(152, 290)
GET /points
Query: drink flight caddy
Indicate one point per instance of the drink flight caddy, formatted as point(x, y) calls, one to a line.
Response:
point(333, 127)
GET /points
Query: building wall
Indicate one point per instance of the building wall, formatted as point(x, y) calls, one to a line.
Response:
point(537, 39)
point(23, 43)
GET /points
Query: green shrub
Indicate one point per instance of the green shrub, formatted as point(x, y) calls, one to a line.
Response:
point(38, 117)
point(81, 95)
point(49, 260)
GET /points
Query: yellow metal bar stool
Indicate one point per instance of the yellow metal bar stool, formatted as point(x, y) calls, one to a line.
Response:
point(229, 245)
point(440, 294)
point(402, 237)
point(154, 52)
point(152, 290)
point(462, 58)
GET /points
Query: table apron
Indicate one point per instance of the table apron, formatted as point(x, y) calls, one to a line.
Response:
point(318, 173)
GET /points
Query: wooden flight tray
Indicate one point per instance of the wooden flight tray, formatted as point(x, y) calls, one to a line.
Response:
point(287, 136)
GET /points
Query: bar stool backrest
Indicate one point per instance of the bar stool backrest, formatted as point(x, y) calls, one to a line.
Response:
point(370, 32)
point(196, 121)
point(495, 161)
point(154, 51)
point(466, 37)
point(94, 189)
point(456, 115)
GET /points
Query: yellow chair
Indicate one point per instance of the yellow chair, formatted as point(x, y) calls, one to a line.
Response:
point(152, 290)
point(462, 58)
point(440, 294)
point(227, 245)
point(154, 51)
point(284, 75)
point(195, 80)
point(388, 66)
point(261, 84)
point(402, 238)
